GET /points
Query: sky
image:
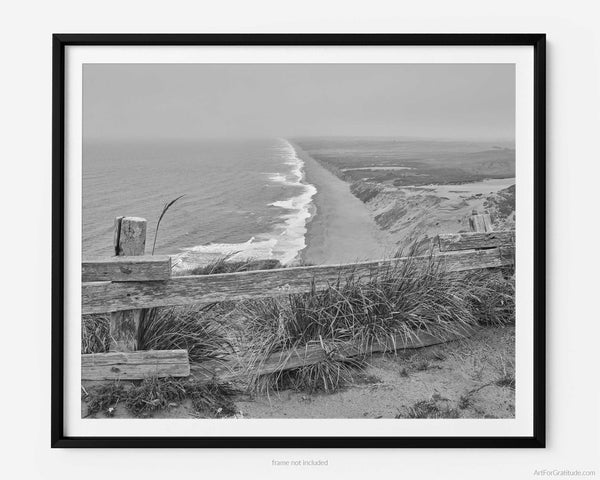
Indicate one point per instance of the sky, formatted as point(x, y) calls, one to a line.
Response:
point(189, 101)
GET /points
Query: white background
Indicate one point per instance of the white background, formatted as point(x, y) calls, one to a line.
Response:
point(573, 314)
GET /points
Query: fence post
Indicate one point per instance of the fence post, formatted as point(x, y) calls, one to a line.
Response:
point(129, 240)
point(483, 223)
point(480, 222)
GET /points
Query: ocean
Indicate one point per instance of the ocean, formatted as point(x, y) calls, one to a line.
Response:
point(246, 199)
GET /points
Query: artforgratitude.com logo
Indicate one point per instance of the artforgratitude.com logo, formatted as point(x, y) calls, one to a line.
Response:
point(557, 472)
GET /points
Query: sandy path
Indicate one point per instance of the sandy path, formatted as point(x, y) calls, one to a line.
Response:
point(342, 230)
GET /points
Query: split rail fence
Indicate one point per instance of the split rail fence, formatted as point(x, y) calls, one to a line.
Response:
point(131, 282)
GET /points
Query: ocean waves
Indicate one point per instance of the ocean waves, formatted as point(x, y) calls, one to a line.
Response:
point(291, 237)
point(287, 237)
point(200, 255)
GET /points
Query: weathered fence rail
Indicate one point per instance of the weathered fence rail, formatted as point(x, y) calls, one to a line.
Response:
point(476, 240)
point(102, 297)
point(127, 269)
point(125, 286)
point(229, 370)
point(135, 365)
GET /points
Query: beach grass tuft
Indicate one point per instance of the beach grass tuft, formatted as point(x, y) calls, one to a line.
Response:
point(328, 375)
point(95, 331)
point(491, 296)
point(389, 308)
point(225, 265)
point(196, 328)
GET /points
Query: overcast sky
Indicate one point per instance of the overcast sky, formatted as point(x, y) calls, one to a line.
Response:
point(150, 101)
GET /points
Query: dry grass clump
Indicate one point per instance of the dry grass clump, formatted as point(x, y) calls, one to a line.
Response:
point(142, 398)
point(225, 265)
point(95, 333)
point(329, 375)
point(430, 409)
point(153, 394)
point(197, 329)
point(194, 328)
point(508, 380)
point(104, 398)
point(492, 296)
point(212, 399)
point(504, 367)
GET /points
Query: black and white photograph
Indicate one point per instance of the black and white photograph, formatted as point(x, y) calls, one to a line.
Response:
point(378, 198)
point(324, 239)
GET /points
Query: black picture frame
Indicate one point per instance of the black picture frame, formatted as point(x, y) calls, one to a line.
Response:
point(61, 41)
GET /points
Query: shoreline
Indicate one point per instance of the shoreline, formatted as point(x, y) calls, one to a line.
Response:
point(341, 229)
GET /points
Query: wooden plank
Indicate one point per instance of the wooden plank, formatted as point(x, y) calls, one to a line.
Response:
point(481, 223)
point(135, 365)
point(117, 233)
point(132, 237)
point(474, 240)
point(100, 297)
point(130, 240)
point(314, 353)
point(127, 269)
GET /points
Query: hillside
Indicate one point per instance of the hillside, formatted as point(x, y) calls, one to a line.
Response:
point(418, 189)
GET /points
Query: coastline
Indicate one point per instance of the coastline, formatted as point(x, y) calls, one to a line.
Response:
point(341, 228)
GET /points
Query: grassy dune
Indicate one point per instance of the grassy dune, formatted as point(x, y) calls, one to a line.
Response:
point(401, 301)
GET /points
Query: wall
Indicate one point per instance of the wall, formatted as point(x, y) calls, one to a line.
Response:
point(573, 106)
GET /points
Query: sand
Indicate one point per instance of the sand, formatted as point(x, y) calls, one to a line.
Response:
point(342, 229)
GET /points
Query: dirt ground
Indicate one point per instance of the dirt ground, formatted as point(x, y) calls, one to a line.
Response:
point(468, 378)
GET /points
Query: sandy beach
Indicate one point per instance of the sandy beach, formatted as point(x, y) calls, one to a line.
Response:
point(342, 229)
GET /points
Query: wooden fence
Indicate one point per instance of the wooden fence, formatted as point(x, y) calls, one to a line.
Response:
point(129, 283)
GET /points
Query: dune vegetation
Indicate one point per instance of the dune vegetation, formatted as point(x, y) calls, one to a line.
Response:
point(397, 303)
